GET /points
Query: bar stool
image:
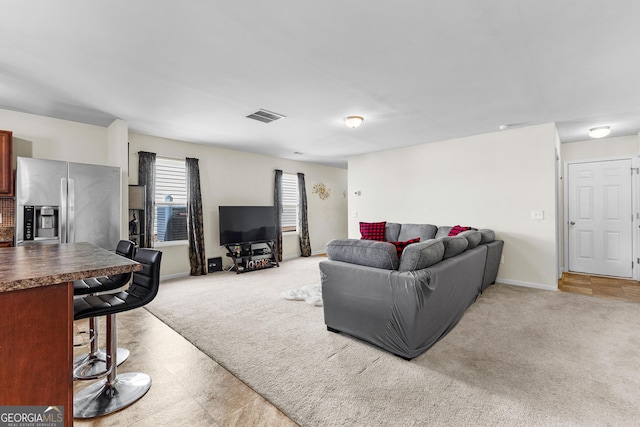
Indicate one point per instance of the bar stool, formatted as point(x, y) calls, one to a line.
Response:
point(117, 391)
point(93, 364)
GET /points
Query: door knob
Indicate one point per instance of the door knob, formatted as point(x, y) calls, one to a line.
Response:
point(572, 223)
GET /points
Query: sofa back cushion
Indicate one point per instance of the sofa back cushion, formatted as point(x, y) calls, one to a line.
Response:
point(369, 253)
point(454, 245)
point(421, 255)
point(392, 231)
point(412, 231)
point(443, 231)
point(473, 237)
point(486, 235)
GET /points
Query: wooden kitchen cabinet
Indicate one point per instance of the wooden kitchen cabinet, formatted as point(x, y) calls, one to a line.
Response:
point(6, 163)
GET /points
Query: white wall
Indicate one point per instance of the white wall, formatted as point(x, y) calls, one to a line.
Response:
point(624, 146)
point(47, 138)
point(230, 177)
point(486, 181)
point(227, 177)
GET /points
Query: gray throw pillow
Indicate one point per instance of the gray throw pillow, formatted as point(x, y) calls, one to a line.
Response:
point(473, 237)
point(486, 235)
point(412, 231)
point(421, 255)
point(454, 245)
point(370, 253)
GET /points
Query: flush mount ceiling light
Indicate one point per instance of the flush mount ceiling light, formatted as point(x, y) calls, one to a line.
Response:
point(599, 132)
point(353, 121)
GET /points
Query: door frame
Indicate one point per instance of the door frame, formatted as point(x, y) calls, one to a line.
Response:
point(635, 210)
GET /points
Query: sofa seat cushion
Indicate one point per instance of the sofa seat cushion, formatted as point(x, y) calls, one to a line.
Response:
point(473, 237)
point(372, 230)
point(369, 253)
point(454, 245)
point(421, 255)
point(486, 235)
point(412, 231)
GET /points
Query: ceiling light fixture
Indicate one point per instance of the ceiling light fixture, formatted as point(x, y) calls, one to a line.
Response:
point(353, 121)
point(599, 132)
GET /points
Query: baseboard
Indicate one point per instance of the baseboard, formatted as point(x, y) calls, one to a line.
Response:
point(313, 253)
point(174, 276)
point(527, 284)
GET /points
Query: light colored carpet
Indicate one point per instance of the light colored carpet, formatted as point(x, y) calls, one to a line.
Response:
point(518, 357)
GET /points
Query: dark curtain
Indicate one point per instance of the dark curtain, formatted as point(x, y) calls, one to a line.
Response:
point(195, 223)
point(305, 245)
point(277, 204)
point(147, 177)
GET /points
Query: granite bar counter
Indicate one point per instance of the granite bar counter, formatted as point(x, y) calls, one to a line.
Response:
point(33, 266)
point(36, 319)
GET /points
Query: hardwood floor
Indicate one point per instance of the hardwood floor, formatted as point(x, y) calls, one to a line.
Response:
point(600, 286)
point(188, 388)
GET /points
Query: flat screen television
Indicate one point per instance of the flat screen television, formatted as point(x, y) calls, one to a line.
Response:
point(246, 224)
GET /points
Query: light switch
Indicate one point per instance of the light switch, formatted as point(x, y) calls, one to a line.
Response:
point(354, 214)
point(537, 214)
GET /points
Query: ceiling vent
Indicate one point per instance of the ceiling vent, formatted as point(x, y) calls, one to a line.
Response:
point(266, 116)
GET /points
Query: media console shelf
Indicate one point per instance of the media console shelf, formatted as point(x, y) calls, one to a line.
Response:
point(252, 256)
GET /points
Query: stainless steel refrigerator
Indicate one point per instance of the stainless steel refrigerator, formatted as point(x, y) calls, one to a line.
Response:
point(65, 202)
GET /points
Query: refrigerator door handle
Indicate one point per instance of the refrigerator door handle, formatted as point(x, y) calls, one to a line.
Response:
point(71, 195)
point(63, 212)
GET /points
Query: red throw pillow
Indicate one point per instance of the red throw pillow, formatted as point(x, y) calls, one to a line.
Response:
point(401, 245)
point(457, 229)
point(372, 230)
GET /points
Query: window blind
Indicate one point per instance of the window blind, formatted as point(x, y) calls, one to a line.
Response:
point(289, 202)
point(170, 200)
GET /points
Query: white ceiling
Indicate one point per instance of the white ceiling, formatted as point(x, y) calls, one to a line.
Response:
point(418, 71)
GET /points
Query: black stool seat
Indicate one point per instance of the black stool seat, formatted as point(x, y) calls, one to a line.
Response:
point(92, 365)
point(117, 390)
point(142, 290)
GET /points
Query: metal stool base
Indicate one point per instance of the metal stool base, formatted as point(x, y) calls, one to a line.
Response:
point(102, 397)
point(91, 368)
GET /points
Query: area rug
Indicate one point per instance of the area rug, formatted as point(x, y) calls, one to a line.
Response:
point(519, 356)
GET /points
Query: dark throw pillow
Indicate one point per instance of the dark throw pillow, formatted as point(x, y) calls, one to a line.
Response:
point(457, 229)
point(372, 230)
point(401, 245)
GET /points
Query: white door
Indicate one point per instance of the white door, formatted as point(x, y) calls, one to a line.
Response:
point(600, 218)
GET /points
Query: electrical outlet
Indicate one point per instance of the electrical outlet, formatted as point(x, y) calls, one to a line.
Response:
point(354, 214)
point(502, 259)
point(537, 214)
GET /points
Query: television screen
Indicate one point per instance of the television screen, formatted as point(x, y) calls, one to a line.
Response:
point(245, 224)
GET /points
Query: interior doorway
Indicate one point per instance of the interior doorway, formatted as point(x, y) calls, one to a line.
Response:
point(600, 217)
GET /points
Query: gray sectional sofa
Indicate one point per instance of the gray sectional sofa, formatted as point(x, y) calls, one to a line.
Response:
point(405, 304)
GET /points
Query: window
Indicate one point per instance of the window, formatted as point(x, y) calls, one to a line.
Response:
point(289, 202)
point(170, 201)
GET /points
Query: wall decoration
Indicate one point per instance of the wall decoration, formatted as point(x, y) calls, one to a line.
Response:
point(321, 190)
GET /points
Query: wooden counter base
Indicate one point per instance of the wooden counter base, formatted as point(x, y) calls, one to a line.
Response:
point(38, 323)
